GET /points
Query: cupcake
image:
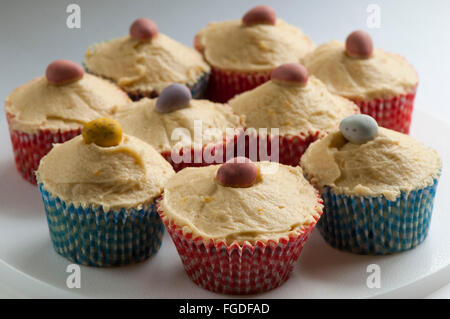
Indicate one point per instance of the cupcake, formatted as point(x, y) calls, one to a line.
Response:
point(242, 53)
point(378, 187)
point(146, 61)
point(239, 227)
point(99, 193)
point(53, 108)
point(382, 84)
point(187, 132)
point(284, 115)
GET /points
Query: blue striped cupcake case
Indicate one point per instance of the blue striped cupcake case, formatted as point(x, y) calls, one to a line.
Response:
point(375, 225)
point(92, 237)
point(198, 88)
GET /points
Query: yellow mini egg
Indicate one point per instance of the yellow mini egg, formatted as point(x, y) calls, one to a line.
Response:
point(104, 132)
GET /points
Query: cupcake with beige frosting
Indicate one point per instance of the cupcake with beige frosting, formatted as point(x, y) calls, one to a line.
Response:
point(242, 53)
point(378, 187)
point(383, 84)
point(99, 193)
point(286, 114)
point(186, 131)
point(146, 61)
point(239, 227)
point(53, 109)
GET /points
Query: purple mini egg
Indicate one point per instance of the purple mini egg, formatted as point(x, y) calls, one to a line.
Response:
point(173, 97)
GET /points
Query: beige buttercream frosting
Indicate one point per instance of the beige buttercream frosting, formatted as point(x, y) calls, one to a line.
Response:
point(231, 46)
point(387, 165)
point(177, 129)
point(276, 206)
point(293, 109)
point(383, 75)
point(39, 105)
point(127, 175)
point(137, 65)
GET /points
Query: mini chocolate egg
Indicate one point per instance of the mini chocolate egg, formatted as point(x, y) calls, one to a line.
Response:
point(259, 15)
point(103, 132)
point(61, 72)
point(173, 97)
point(237, 172)
point(143, 29)
point(359, 128)
point(290, 73)
point(359, 45)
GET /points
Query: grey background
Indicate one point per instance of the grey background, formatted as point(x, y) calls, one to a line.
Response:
point(33, 33)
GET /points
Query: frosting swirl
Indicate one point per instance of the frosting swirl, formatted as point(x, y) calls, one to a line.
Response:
point(382, 75)
point(127, 175)
point(390, 163)
point(279, 204)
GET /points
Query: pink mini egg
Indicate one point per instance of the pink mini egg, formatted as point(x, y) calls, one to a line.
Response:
point(290, 73)
point(259, 15)
point(143, 29)
point(359, 45)
point(63, 72)
point(239, 172)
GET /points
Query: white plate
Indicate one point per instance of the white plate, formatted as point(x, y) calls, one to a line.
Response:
point(30, 268)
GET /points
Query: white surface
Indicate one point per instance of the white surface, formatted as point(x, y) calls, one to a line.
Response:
point(30, 268)
point(33, 33)
point(443, 293)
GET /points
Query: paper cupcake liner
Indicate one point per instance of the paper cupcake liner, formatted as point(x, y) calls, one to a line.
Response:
point(93, 237)
point(235, 268)
point(197, 155)
point(290, 150)
point(394, 113)
point(223, 85)
point(28, 148)
point(198, 89)
point(375, 225)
